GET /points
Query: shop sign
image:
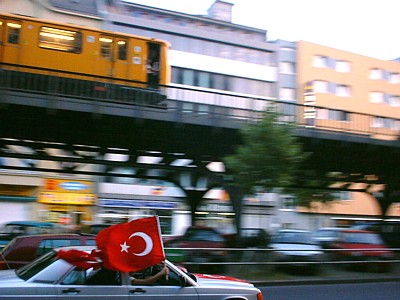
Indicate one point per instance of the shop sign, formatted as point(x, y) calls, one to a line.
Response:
point(67, 186)
point(136, 204)
point(67, 198)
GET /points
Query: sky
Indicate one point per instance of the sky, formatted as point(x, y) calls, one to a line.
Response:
point(366, 27)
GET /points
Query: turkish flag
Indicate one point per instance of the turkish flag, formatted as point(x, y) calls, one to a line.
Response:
point(131, 246)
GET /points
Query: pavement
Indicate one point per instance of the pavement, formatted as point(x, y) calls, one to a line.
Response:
point(327, 275)
point(267, 275)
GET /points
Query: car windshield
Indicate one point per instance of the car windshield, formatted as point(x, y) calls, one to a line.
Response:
point(362, 238)
point(37, 265)
point(326, 233)
point(294, 238)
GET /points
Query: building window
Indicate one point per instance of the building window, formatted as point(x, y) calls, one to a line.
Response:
point(376, 97)
point(320, 61)
point(188, 77)
point(288, 202)
point(376, 74)
point(394, 78)
point(330, 114)
point(342, 195)
point(287, 67)
point(343, 90)
point(343, 66)
point(394, 101)
point(287, 94)
point(320, 86)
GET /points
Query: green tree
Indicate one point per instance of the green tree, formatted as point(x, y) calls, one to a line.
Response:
point(269, 157)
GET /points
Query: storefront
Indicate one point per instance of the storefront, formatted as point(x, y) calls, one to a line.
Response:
point(171, 212)
point(68, 202)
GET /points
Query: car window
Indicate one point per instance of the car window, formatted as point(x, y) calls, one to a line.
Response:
point(294, 237)
point(204, 235)
point(49, 244)
point(75, 277)
point(103, 276)
point(30, 270)
point(91, 242)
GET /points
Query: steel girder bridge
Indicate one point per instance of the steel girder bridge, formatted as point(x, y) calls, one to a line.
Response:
point(184, 136)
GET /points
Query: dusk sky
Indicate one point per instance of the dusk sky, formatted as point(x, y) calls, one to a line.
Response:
point(364, 27)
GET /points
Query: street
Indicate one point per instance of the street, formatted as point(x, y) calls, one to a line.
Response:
point(360, 291)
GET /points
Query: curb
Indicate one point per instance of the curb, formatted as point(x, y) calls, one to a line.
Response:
point(325, 281)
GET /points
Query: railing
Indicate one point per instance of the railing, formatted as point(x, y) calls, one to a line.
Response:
point(217, 108)
point(259, 264)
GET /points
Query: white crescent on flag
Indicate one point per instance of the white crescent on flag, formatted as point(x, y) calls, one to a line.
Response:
point(147, 240)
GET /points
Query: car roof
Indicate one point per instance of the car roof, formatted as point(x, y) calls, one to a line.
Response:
point(293, 230)
point(358, 231)
point(330, 228)
point(31, 223)
point(32, 236)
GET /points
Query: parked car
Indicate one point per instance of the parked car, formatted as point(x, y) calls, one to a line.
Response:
point(389, 230)
point(364, 249)
point(327, 236)
point(12, 229)
point(201, 242)
point(252, 237)
point(52, 277)
point(94, 228)
point(24, 249)
point(296, 248)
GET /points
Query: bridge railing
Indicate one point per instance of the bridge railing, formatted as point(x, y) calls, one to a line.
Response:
point(242, 108)
point(216, 107)
point(247, 262)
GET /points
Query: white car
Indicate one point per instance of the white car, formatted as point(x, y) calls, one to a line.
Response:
point(296, 248)
point(50, 277)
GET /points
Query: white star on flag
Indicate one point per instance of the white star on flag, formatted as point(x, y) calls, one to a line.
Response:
point(124, 247)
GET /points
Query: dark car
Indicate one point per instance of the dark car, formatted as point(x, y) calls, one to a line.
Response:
point(24, 249)
point(296, 249)
point(16, 228)
point(94, 228)
point(253, 237)
point(327, 236)
point(389, 230)
point(363, 249)
point(200, 242)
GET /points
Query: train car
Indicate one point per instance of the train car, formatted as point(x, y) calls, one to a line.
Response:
point(104, 62)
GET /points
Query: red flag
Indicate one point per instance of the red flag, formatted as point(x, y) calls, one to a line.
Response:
point(132, 246)
point(81, 259)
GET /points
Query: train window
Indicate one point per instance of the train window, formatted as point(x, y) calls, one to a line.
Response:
point(14, 31)
point(122, 48)
point(60, 39)
point(105, 47)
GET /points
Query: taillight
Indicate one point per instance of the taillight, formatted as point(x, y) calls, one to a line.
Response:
point(259, 296)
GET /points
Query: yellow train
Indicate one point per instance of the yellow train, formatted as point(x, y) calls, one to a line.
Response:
point(107, 64)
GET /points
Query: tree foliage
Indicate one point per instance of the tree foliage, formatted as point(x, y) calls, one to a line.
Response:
point(269, 156)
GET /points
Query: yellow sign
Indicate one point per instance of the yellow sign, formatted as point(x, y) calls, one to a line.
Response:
point(67, 186)
point(67, 198)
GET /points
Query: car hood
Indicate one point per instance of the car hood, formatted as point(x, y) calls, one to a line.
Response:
point(298, 249)
point(9, 276)
point(220, 280)
point(367, 249)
